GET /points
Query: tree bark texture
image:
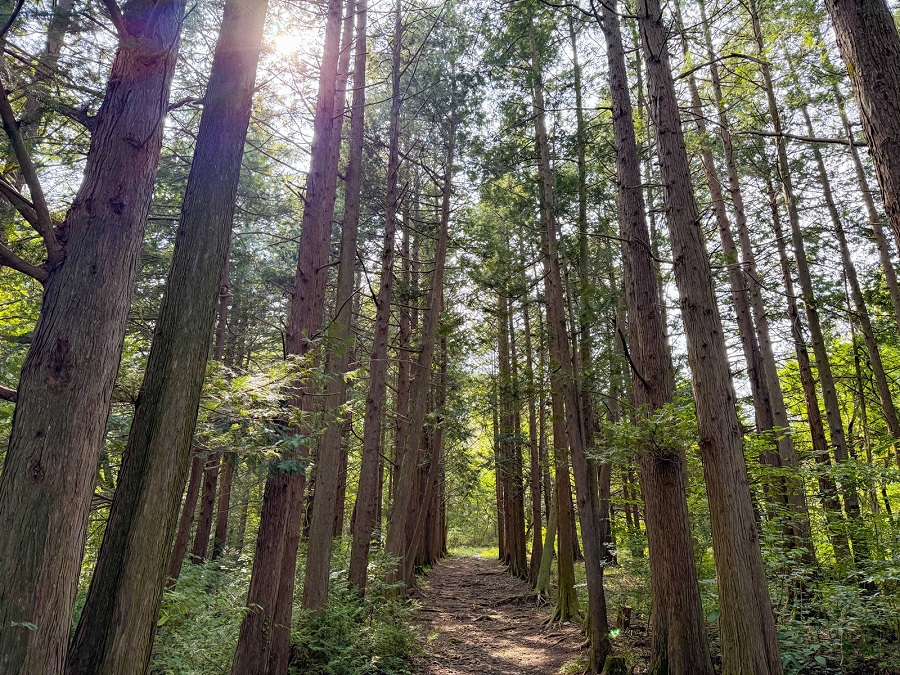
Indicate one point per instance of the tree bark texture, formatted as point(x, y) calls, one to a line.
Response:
point(747, 623)
point(572, 426)
point(404, 509)
point(339, 344)
point(510, 453)
point(179, 550)
point(223, 504)
point(828, 494)
point(870, 46)
point(679, 633)
point(860, 313)
point(794, 487)
point(68, 375)
point(200, 548)
point(810, 302)
point(537, 542)
point(116, 629)
point(264, 639)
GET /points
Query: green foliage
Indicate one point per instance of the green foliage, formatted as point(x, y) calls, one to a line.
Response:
point(846, 625)
point(672, 427)
point(201, 616)
point(357, 636)
point(200, 619)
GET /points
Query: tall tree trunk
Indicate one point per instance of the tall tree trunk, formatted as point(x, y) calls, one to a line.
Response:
point(787, 452)
point(207, 504)
point(222, 310)
point(571, 427)
point(404, 334)
point(870, 46)
point(223, 506)
point(810, 303)
point(828, 494)
point(537, 543)
point(434, 459)
point(176, 560)
point(37, 92)
point(116, 629)
point(747, 623)
point(860, 400)
point(226, 470)
point(542, 581)
point(543, 453)
point(321, 529)
point(397, 543)
point(264, 639)
point(510, 451)
point(68, 375)
point(884, 253)
point(567, 606)
point(340, 499)
point(499, 484)
point(368, 496)
point(861, 312)
point(679, 633)
point(776, 490)
point(242, 525)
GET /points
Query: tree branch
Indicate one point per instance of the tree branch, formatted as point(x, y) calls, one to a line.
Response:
point(115, 15)
point(805, 139)
point(723, 57)
point(43, 223)
point(11, 260)
point(12, 19)
point(22, 205)
point(155, 15)
point(79, 115)
point(187, 100)
point(7, 394)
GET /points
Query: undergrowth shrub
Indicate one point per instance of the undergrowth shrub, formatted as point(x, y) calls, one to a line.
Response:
point(357, 636)
point(846, 625)
point(201, 617)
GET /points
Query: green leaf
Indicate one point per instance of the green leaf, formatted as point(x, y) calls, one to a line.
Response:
point(820, 660)
point(713, 616)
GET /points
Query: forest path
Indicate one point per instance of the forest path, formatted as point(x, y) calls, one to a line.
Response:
point(478, 619)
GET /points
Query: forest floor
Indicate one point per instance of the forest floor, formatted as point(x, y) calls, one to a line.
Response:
point(478, 619)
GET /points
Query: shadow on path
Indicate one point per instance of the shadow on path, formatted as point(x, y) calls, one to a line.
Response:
point(478, 619)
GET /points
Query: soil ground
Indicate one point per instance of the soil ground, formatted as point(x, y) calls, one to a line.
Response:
point(478, 619)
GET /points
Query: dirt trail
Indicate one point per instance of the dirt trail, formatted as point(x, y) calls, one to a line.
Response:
point(478, 619)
